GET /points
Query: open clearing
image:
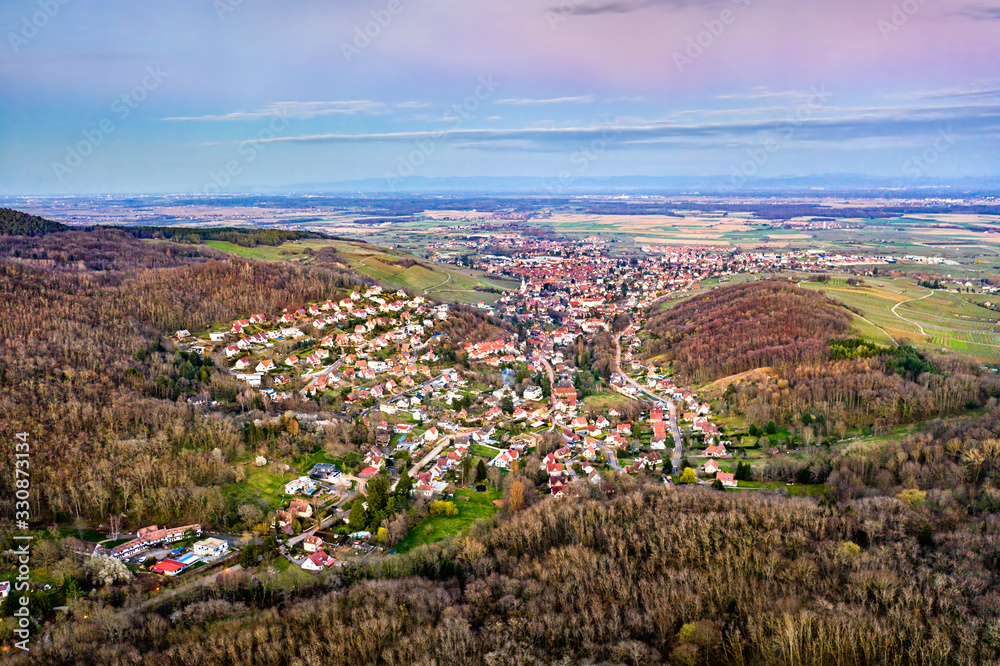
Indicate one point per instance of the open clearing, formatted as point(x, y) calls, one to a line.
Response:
point(471, 507)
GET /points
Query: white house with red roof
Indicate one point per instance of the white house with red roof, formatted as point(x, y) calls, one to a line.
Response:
point(318, 561)
point(728, 480)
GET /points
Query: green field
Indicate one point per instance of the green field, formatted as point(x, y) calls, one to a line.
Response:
point(602, 402)
point(479, 505)
point(932, 319)
point(291, 251)
point(262, 484)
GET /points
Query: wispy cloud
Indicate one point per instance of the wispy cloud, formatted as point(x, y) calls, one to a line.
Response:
point(627, 6)
point(580, 99)
point(980, 90)
point(980, 12)
point(412, 104)
point(765, 94)
point(297, 110)
point(982, 120)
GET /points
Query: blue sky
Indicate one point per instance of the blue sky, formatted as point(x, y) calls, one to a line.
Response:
point(232, 95)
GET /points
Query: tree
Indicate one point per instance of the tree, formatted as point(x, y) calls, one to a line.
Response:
point(515, 495)
point(378, 495)
point(717, 485)
point(685, 463)
point(481, 471)
point(103, 571)
point(926, 536)
point(771, 428)
point(404, 486)
point(466, 466)
point(248, 556)
point(688, 476)
point(356, 519)
point(753, 430)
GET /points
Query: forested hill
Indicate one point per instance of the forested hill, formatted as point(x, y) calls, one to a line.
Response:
point(633, 574)
point(15, 223)
point(739, 328)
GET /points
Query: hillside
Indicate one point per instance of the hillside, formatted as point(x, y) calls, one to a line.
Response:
point(15, 223)
point(726, 579)
point(86, 369)
point(743, 327)
point(791, 331)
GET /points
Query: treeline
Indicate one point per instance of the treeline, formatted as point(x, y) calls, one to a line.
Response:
point(242, 236)
point(15, 223)
point(743, 327)
point(634, 574)
point(99, 249)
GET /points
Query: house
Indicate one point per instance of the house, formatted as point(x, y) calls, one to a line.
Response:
point(265, 366)
point(168, 567)
point(292, 360)
point(711, 467)
point(651, 459)
point(728, 480)
point(504, 459)
point(299, 508)
point(211, 548)
point(533, 393)
point(318, 561)
point(85, 548)
point(716, 452)
point(183, 334)
point(298, 485)
point(312, 543)
point(4, 589)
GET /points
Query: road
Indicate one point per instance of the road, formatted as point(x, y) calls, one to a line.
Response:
point(675, 430)
point(201, 582)
point(435, 452)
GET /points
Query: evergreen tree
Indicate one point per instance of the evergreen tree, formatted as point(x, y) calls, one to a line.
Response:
point(356, 520)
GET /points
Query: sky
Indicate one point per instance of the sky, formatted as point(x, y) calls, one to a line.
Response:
point(113, 96)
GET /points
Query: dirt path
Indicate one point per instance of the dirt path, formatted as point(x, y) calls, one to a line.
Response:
point(910, 321)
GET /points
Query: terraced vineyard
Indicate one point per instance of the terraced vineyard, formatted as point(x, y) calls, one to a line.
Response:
point(934, 319)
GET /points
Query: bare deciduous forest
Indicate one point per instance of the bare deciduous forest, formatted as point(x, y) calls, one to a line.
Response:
point(638, 574)
point(895, 562)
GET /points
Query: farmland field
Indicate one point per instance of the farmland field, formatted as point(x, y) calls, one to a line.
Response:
point(934, 319)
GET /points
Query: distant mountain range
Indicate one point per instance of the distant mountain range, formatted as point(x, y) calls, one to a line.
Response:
point(652, 184)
